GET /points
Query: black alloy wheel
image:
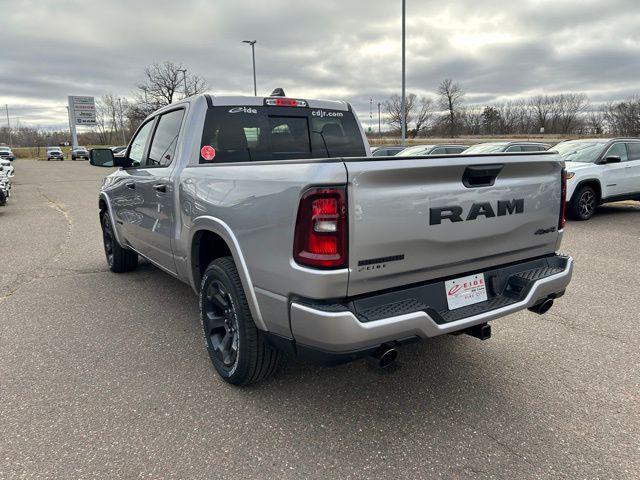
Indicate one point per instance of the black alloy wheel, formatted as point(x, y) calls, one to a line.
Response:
point(221, 323)
point(107, 238)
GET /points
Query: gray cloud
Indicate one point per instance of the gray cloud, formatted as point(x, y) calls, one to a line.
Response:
point(334, 49)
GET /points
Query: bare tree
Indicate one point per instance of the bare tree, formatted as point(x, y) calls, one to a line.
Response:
point(573, 106)
point(623, 118)
point(451, 99)
point(419, 113)
point(107, 118)
point(472, 119)
point(164, 81)
point(394, 111)
point(425, 112)
point(541, 111)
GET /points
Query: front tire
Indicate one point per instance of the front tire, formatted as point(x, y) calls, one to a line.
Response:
point(584, 204)
point(119, 259)
point(237, 350)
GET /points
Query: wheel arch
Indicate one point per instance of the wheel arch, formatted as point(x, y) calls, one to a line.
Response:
point(591, 182)
point(104, 205)
point(211, 238)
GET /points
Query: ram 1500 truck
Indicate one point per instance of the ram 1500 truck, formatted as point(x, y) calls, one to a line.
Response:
point(298, 242)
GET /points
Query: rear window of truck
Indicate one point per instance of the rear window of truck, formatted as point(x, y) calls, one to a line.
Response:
point(245, 134)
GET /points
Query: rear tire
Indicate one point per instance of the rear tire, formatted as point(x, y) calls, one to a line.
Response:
point(584, 204)
point(119, 259)
point(237, 350)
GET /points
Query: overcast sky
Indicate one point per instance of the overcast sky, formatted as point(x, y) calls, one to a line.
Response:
point(317, 49)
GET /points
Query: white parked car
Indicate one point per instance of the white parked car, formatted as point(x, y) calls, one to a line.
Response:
point(600, 170)
point(5, 185)
point(8, 169)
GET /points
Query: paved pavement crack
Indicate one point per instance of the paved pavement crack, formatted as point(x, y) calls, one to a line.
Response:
point(27, 277)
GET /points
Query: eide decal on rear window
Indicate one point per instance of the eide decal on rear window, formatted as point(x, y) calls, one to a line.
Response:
point(250, 110)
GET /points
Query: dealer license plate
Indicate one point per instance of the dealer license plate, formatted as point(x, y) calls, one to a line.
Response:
point(465, 291)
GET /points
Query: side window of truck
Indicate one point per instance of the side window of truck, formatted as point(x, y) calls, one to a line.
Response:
point(165, 139)
point(514, 148)
point(139, 143)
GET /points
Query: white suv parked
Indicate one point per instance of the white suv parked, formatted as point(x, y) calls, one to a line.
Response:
point(600, 170)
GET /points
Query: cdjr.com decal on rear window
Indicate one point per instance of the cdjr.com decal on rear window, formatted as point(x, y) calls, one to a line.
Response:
point(324, 113)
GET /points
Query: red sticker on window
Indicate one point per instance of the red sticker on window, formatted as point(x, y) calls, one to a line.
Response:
point(208, 152)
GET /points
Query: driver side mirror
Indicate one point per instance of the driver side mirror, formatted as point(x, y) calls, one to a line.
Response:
point(613, 159)
point(103, 157)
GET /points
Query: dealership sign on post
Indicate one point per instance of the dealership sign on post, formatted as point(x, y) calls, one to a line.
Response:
point(82, 111)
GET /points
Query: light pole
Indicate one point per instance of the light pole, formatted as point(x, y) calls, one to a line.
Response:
point(379, 123)
point(6, 106)
point(184, 77)
point(124, 141)
point(253, 57)
point(144, 88)
point(403, 113)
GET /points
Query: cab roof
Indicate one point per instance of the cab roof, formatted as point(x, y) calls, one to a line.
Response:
point(250, 101)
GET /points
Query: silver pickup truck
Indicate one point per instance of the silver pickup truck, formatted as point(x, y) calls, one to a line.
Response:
point(298, 242)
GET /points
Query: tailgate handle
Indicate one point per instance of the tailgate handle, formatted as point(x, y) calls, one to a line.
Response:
point(481, 175)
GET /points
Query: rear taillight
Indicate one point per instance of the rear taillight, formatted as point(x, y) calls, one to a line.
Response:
point(563, 200)
point(321, 228)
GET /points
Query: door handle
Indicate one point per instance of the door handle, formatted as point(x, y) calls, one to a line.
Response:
point(131, 185)
point(160, 187)
point(481, 175)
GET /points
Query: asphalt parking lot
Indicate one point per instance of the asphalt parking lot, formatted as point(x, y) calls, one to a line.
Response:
point(105, 375)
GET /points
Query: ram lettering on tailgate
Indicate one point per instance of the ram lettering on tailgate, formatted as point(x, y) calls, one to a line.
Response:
point(482, 209)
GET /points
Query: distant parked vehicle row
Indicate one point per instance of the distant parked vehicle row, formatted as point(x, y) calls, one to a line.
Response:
point(7, 154)
point(386, 151)
point(507, 147)
point(445, 149)
point(424, 150)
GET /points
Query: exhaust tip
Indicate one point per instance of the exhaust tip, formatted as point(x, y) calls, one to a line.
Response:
point(542, 307)
point(384, 356)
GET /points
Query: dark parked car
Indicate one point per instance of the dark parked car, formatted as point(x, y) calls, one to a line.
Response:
point(386, 150)
point(79, 153)
point(507, 147)
point(54, 153)
point(423, 150)
point(7, 154)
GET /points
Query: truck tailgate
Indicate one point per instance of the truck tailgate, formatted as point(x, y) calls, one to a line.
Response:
point(417, 219)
